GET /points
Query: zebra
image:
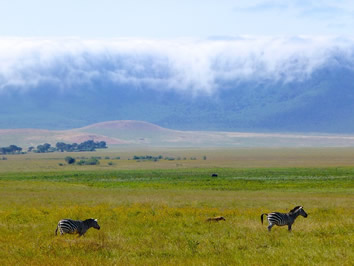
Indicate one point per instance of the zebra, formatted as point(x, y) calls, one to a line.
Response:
point(280, 219)
point(68, 226)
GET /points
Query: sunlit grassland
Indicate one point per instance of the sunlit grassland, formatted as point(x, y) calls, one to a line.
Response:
point(155, 213)
point(215, 157)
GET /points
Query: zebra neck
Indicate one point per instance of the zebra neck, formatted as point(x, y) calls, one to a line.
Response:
point(87, 223)
point(294, 215)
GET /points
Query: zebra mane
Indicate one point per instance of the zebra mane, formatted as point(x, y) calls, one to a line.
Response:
point(295, 209)
point(90, 220)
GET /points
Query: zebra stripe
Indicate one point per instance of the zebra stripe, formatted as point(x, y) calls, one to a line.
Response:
point(281, 219)
point(69, 226)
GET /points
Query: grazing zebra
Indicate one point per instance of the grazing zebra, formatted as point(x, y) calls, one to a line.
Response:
point(68, 226)
point(280, 219)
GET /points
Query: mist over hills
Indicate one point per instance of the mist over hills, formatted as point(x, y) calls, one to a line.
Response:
point(256, 85)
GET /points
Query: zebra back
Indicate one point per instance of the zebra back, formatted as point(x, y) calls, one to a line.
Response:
point(69, 226)
point(279, 218)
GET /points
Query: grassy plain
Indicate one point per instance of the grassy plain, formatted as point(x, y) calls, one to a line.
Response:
point(155, 212)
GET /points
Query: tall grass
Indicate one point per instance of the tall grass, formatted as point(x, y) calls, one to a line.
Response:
point(149, 226)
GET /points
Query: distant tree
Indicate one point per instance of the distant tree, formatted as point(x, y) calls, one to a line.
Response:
point(74, 146)
point(204, 157)
point(15, 149)
point(101, 145)
point(12, 149)
point(46, 146)
point(61, 146)
point(43, 148)
point(88, 145)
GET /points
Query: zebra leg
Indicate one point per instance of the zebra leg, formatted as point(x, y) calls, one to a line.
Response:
point(80, 233)
point(289, 227)
point(270, 227)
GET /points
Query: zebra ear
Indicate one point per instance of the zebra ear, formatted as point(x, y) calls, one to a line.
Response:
point(95, 220)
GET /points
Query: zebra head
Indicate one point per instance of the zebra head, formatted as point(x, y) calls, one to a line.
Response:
point(299, 210)
point(93, 223)
point(302, 212)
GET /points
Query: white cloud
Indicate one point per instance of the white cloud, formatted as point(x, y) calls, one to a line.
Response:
point(197, 66)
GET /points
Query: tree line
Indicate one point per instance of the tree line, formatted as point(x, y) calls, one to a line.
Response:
point(12, 149)
point(88, 145)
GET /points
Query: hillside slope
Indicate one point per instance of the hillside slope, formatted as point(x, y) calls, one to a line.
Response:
point(138, 133)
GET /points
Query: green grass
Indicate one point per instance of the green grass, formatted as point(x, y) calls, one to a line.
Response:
point(157, 216)
point(294, 179)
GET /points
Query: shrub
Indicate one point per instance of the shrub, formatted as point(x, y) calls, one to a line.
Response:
point(70, 160)
point(91, 161)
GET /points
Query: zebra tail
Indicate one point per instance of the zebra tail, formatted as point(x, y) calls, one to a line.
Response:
point(262, 216)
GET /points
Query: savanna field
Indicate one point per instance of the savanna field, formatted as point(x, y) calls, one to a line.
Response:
point(154, 212)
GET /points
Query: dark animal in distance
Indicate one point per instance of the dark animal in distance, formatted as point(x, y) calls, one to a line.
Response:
point(214, 175)
point(216, 219)
point(281, 219)
point(68, 226)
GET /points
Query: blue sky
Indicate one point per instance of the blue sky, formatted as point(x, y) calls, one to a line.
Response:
point(174, 18)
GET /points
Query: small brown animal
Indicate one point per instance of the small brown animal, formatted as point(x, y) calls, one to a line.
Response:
point(216, 219)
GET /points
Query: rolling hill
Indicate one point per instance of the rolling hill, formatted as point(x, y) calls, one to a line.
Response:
point(137, 133)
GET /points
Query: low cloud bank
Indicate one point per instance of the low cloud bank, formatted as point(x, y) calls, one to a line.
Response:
point(196, 66)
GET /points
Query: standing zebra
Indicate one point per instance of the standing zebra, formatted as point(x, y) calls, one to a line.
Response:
point(68, 226)
point(280, 219)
